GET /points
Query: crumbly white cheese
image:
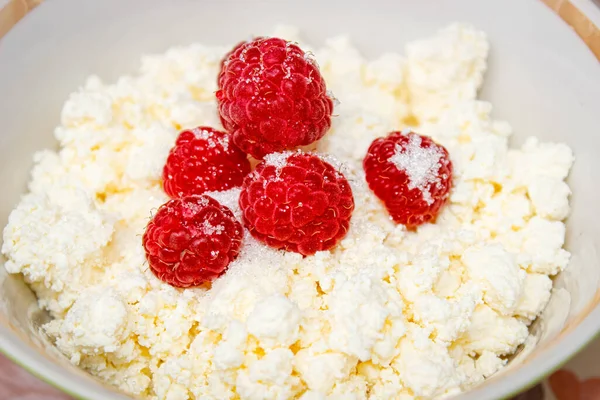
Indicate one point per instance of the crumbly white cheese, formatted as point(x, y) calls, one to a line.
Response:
point(535, 295)
point(275, 322)
point(549, 197)
point(497, 273)
point(445, 69)
point(387, 313)
point(97, 322)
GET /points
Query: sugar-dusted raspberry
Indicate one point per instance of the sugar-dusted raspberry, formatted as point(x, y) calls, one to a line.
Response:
point(191, 240)
point(203, 160)
point(272, 97)
point(297, 202)
point(411, 174)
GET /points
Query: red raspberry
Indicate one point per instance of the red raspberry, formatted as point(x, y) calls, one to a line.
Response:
point(191, 240)
point(203, 160)
point(297, 202)
point(411, 174)
point(272, 97)
point(224, 59)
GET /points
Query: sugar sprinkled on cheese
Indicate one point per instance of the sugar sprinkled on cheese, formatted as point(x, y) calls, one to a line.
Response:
point(230, 199)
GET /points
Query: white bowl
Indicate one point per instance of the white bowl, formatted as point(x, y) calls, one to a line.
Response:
point(542, 78)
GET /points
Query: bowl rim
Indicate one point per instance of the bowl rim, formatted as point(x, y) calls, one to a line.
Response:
point(573, 338)
point(23, 360)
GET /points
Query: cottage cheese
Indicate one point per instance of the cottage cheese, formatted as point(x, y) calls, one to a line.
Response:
point(388, 313)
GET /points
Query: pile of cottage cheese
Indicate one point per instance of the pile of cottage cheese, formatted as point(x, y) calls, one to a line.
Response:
point(386, 313)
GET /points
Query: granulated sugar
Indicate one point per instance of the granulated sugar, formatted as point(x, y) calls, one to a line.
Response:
point(213, 141)
point(278, 160)
point(230, 199)
point(210, 229)
point(421, 164)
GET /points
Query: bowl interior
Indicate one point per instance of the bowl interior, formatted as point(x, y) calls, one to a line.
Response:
point(541, 78)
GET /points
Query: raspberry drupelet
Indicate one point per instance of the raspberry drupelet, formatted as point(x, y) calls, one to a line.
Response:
point(203, 160)
point(297, 202)
point(191, 240)
point(411, 174)
point(272, 97)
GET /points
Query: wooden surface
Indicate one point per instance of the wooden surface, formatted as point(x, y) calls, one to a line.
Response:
point(586, 30)
point(13, 11)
